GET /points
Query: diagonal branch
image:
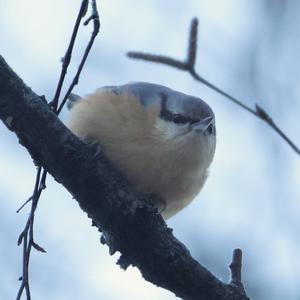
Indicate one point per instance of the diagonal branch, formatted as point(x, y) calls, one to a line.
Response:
point(188, 65)
point(128, 221)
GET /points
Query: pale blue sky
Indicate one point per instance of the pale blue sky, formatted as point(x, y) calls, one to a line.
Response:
point(251, 199)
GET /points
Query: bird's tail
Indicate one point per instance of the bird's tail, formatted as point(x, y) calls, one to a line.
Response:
point(72, 100)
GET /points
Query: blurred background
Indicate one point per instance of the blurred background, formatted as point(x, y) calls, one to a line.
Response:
point(252, 197)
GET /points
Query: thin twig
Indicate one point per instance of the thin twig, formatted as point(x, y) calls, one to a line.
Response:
point(26, 237)
point(95, 18)
point(36, 185)
point(67, 58)
point(236, 266)
point(188, 65)
point(24, 204)
point(236, 269)
point(28, 232)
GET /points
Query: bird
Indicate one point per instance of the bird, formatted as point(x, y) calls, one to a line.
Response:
point(163, 141)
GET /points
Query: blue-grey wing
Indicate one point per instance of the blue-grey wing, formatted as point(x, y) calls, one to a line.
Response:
point(73, 98)
point(146, 93)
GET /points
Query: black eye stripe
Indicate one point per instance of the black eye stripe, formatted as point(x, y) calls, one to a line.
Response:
point(180, 119)
point(165, 114)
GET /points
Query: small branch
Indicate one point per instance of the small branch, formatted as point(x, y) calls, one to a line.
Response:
point(188, 65)
point(192, 49)
point(26, 236)
point(165, 60)
point(24, 204)
point(236, 269)
point(236, 272)
point(67, 58)
point(96, 22)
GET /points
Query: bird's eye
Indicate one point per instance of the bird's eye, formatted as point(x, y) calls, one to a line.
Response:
point(211, 128)
point(179, 119)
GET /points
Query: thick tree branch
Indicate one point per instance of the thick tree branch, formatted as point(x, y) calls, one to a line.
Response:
point(128, 221)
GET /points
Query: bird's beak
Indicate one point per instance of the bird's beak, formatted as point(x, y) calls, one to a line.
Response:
point(203, 124)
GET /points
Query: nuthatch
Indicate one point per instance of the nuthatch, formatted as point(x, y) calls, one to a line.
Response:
point(161, 140)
